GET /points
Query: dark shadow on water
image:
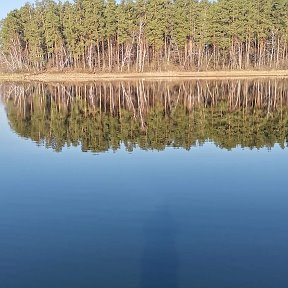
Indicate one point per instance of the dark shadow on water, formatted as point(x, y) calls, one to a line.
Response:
point(160, 258)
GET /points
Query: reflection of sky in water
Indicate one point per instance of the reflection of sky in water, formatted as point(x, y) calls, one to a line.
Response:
point(160, 258)
point(203, 218)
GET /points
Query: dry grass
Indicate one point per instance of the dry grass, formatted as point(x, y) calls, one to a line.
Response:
point(85, 77)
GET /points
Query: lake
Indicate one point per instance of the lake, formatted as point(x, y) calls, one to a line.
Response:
point(143, 184)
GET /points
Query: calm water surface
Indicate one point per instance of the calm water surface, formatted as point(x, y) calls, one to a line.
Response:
point(144, 185)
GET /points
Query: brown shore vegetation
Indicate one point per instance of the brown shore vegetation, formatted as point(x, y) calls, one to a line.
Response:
point(87, 77)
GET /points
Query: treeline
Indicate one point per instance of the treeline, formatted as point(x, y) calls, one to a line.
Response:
point(146, 35)
point(150, 115)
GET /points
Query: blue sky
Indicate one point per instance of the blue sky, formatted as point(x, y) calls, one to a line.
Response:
point(9, 5)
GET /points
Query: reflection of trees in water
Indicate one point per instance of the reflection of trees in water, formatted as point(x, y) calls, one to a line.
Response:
point(152, 115)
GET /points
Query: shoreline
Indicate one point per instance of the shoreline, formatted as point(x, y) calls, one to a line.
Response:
point(90, 77)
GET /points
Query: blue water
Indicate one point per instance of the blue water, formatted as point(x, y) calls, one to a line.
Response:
point(200, 218)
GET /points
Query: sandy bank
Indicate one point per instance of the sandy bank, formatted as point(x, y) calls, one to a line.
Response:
point(85, 77)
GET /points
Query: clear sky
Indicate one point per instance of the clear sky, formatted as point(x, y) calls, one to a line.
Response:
point(8, 5)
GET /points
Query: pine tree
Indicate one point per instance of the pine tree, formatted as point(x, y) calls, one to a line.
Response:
point(110, 15)
point(126, 32)
point(52, 30)
point(12, 41)
point(156, 27)
point(33, 35)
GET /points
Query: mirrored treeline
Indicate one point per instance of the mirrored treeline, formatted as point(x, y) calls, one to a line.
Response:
point(150, 114)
